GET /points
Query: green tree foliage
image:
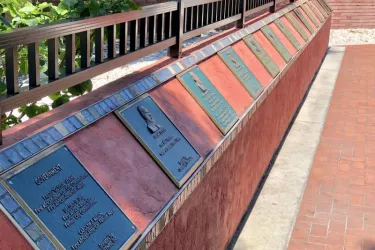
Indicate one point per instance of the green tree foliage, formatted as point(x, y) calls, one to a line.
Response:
point(22, 13)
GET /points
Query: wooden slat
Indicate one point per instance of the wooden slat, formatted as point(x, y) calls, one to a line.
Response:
point(53, 58)
point(160, 28)
point(99, 45)
point(11, 70)
point(33, 61)
point(123, 38)
point(70, 62)
point(133, 29)
point(189, 19)
point(85, 49)
point(168, 25)
point(111, 41)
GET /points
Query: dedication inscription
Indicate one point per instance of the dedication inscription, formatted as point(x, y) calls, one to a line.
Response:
point(297, 26)
point(262, 55)
point(161, 138)
point(280, 47)
point(304, 20)
point(68, 204)
point(209, 98)
point(241, 71)
point(292, 39)
point(310, 15)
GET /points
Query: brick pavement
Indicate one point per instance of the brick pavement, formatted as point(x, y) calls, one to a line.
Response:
point(338, 206)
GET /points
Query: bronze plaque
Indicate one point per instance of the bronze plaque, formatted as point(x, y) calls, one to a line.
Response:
point(241, 71)
point(320, 8)
point(292, 39)
point(161, 138)
point(209, 98)
point(275, 41)
point(304, 20)
point(297, 26)
point(66, 202)
point(325, 6)
point(310, 15)
point(316, 12)
point(262, 55)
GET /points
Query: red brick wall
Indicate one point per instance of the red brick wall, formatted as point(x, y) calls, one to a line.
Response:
point(353, 14)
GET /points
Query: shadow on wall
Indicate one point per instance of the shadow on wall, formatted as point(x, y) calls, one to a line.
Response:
point(368, 244)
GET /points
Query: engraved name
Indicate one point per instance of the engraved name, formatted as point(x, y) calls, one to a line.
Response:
point(171, 145)
point(158, 133)
point(45, 176)
point(108, 242)
point(76, 209)
point(184, 162)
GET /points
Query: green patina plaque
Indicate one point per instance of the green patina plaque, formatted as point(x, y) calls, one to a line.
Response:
point(262, 55)
point(209, 98)
point(280, 47)
point(292, 39)
point(241, 71)
point(310, 15)
point(316, 12)
point(320, 8)
point(297, 26)
point(325, 6)
point(304, 20)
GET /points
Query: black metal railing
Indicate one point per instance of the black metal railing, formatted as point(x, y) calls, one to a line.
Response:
point(139, 33)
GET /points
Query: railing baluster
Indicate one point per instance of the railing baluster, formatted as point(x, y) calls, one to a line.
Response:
point(189, 19)
point(123, 38)
point(70, 53)
point(207, 14)
point(160, 27)
point(152, 30)
point(168, 25)
point(33, 61)
point(223, 9)
point(11, 70)
point(211, 11)
point(195, 17)
point(112, 53)
point(99, 45)
point(133, 29)
point(85, 49)
point(143, 32)
point(178, 24)
point(201, 15)
point(53, 58)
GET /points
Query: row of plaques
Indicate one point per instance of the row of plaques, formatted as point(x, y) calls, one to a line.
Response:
point(75, 212)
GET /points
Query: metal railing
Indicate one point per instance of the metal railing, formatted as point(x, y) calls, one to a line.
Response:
point(139, 32)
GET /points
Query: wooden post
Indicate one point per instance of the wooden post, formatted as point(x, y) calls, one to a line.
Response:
point(241, 22)
point(273, 7)
point(178, 30)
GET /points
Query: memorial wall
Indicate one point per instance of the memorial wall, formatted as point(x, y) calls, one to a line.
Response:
point(170, 161)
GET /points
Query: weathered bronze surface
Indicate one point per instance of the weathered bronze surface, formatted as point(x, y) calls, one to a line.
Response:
point(304, 20)
point(161, 138)
point(320, 8)
point(297, 26)
point(280, 47)
point(262, 55)
point(310, 15)
point(316, 12)
point(209, 98)
point(325, 6)
point(66, 202)
point(241, 71)
point(292, 39)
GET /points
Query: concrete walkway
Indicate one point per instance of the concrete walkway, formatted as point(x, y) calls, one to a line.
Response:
point(271, 221)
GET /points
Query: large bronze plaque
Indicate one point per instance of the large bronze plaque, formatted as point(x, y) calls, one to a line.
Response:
point(209, 98)
point(262, 55)
point(316, 12)
point(161, 138)
point(304, 20)
point(320, 8)
point(292, 39)
point(280, 47)
point(241, 71)
point(66, 202)
point(310, 15)
point(297, 26)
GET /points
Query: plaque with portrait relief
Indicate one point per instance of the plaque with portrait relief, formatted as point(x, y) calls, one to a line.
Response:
point(292, 39)
point(275, 41)
point(160, 138)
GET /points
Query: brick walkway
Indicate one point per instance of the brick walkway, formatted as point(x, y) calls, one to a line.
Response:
point(338, 206)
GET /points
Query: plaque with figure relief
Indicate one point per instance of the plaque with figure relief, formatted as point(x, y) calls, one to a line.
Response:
point(209, 98)
point(66, 202)
point(275, 41)
point(161, 138)
point(292, 39)
point(241, 71)
point(262, 55)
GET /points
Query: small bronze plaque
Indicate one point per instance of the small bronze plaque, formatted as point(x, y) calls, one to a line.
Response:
point(316, 12)
point(161, 138)
point(241, 71)
point(297, 26)
point(67, 203)
point(325, 6)
point(262, 55)
point(280, 47)
point(320, 8)
point(292, 39)
point(209, 98)
point(304, 20)
point(310, 15)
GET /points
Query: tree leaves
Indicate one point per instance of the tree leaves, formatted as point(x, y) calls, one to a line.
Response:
point(81, 88)
point(33, 109)
point(60, 101)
